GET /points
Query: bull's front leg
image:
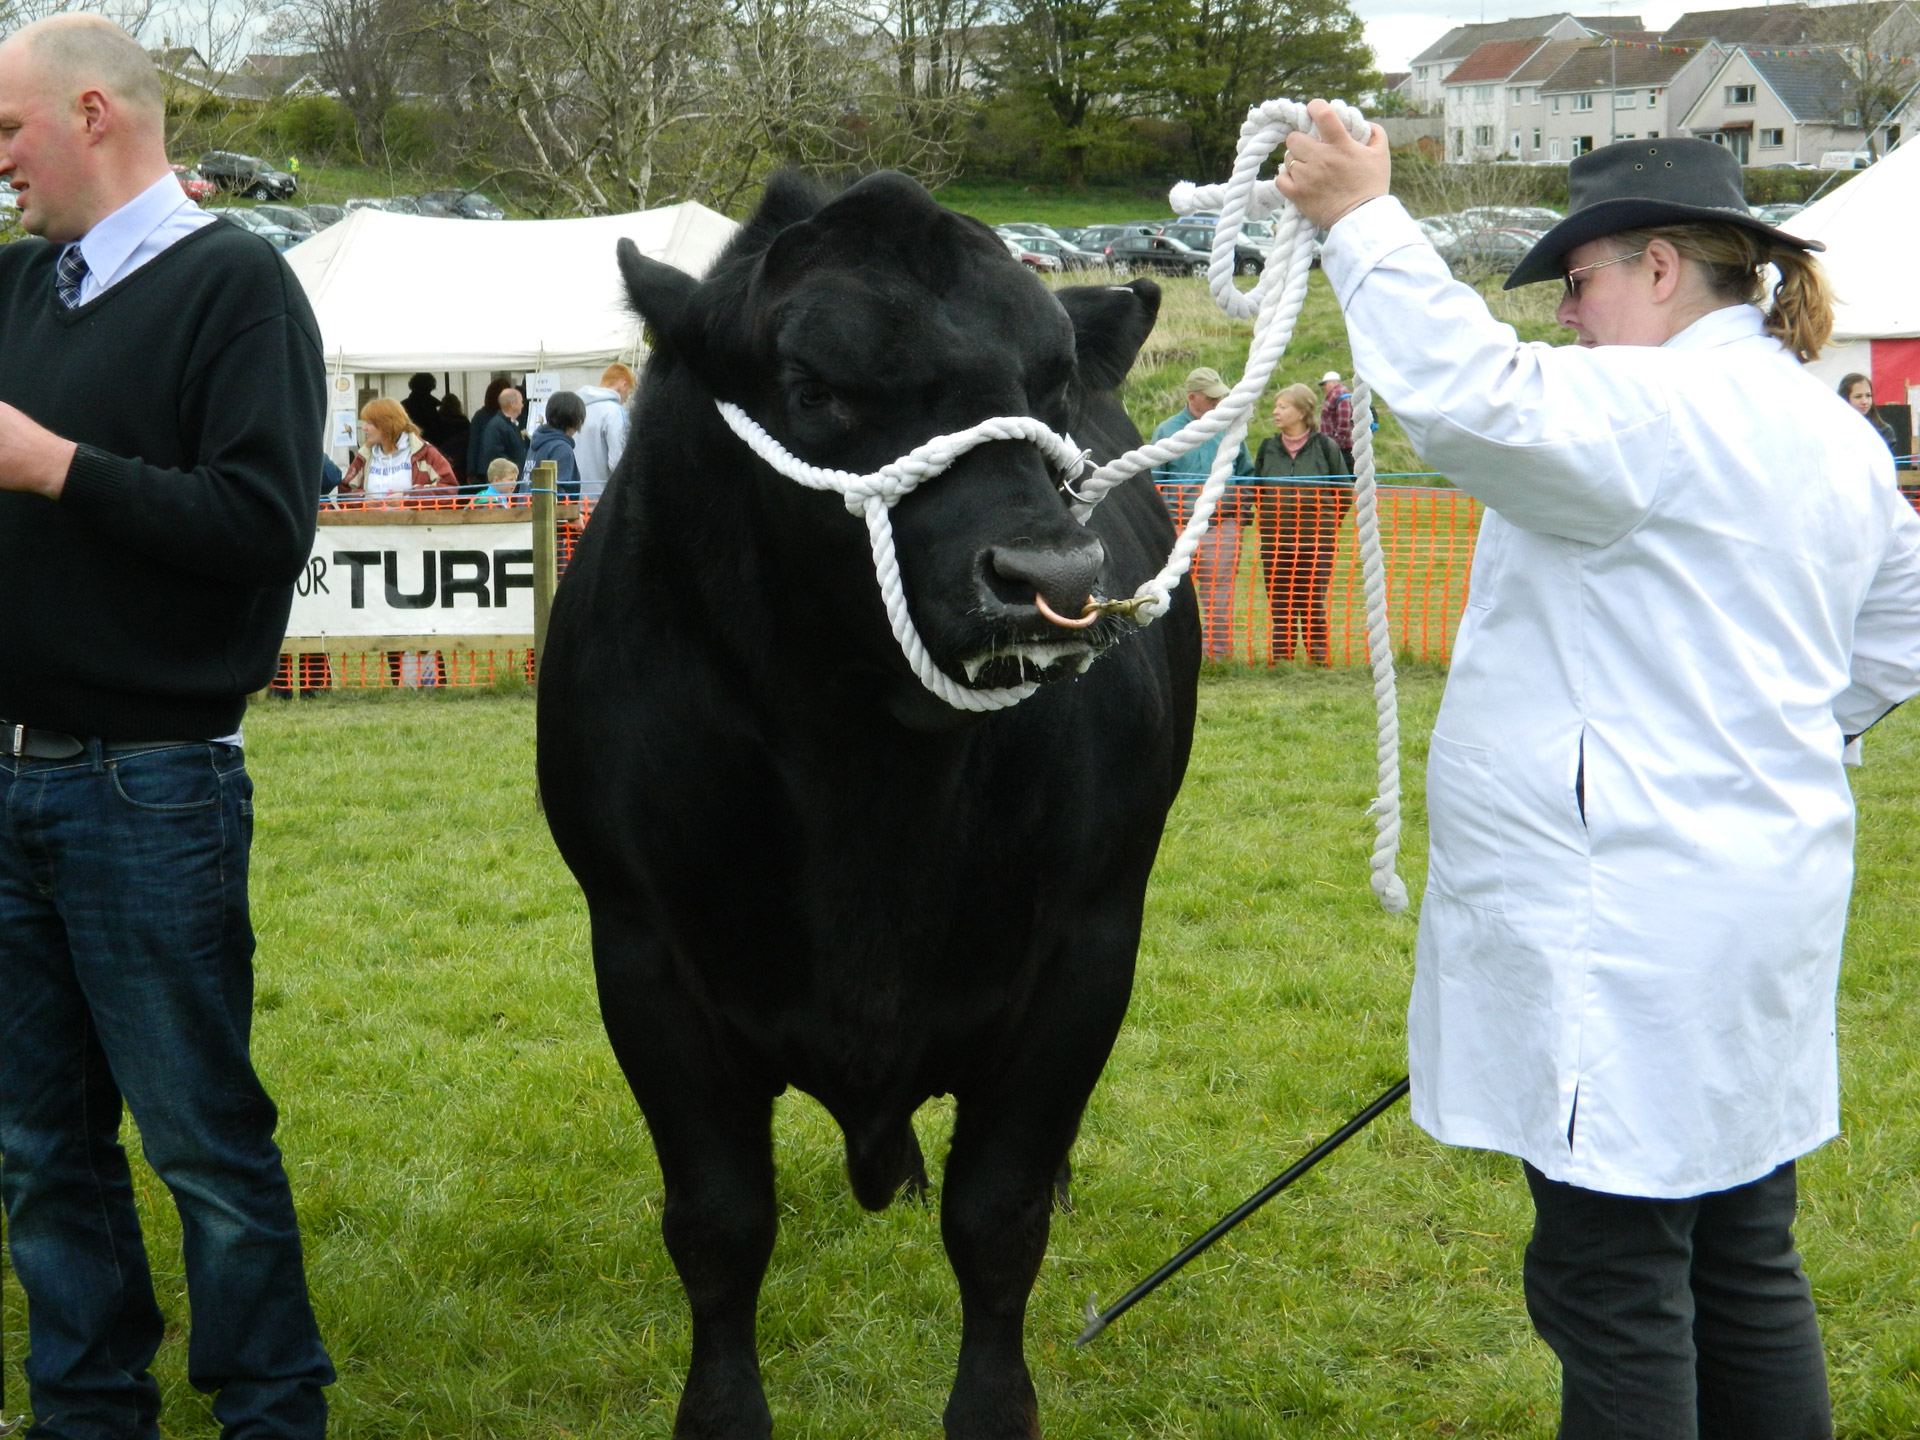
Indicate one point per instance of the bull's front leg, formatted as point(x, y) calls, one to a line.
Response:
point(713, 1133)
point(1011, 1139)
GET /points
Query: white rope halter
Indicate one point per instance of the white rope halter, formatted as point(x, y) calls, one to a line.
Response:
point(1274, 305)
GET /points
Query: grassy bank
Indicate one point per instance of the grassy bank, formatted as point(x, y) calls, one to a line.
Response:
point(481, 1204)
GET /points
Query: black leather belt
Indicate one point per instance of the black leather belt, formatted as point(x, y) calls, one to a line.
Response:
point(23, 742)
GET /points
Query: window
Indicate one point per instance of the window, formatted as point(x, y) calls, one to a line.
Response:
point(1583, 145)
point(1553, 148)
point(1627, 135)
point(1556, 104)
point(1653, 98)
point(1536, 94)
point(1623, 99)
point(1583, 102)
point(1514, 94)
point(1772, 139)
point(1653, 134)
point(1739, 94)
point(1483, 92)
point(1483, 135)
point(1849, 117)
point(1536, 138)
point(1459, 144)
point(1513, 144)
point(1419, 72)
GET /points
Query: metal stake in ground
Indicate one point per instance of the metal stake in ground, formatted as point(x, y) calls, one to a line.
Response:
point(1098, 1320)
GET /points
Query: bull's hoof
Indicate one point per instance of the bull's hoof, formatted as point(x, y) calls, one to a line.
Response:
point(1063, 1188)
point(1009, 1414)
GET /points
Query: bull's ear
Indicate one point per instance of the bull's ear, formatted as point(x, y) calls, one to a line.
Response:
point(1110, 324)
point(659, 293)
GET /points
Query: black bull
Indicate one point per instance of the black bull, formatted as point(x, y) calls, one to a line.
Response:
point(802, 868)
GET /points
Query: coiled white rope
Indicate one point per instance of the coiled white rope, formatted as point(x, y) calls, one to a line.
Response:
point(1274, 305)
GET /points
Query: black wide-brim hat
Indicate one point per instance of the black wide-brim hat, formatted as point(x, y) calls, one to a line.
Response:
point(1637, 183)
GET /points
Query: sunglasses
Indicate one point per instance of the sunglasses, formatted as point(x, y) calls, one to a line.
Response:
point(1580, 271)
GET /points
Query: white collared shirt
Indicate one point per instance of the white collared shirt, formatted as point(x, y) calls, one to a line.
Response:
point(1693, 579)
point(137, 232)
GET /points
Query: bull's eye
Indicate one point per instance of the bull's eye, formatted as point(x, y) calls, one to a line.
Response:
point(812, 395)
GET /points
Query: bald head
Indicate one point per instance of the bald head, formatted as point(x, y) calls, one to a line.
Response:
point(82, 122)
point(73, 53)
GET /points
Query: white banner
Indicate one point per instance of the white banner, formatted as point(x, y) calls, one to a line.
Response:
point(371, 580)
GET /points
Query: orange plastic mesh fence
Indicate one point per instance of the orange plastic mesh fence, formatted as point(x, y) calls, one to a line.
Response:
point(1278, 579)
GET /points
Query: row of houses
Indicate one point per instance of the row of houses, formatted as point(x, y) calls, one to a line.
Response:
point(1777, 85)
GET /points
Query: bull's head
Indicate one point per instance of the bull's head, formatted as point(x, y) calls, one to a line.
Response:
point(856, 328)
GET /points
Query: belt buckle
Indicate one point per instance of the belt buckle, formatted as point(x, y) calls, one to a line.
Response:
point(17, 744)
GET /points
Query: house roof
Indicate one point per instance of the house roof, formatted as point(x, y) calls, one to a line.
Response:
point(1785, 24)
point(1495, 60)
point(1547, 59)
point(1463, 40)
point(1595, 66)
point(1815, 87)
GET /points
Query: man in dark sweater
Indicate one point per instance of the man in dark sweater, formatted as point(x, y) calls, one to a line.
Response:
point(148, 548)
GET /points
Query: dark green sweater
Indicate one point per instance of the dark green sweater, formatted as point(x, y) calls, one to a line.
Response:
point(151, 598)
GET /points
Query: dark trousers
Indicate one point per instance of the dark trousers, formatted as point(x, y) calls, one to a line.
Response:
point(126, 973)
point(1677, 1319)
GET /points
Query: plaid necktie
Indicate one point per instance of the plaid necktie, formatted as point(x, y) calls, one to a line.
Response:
point(67, 275)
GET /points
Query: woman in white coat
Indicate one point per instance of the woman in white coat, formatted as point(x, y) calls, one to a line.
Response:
point(1695, 578)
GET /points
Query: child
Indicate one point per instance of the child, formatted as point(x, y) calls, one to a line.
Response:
point(503, 478)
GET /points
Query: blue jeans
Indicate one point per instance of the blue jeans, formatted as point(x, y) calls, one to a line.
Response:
point(126, 973)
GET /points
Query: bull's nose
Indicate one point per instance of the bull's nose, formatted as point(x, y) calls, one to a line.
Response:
point(1063, 574)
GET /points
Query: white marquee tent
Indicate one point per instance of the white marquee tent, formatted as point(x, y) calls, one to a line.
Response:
point(1870, 226)
point(400, 293)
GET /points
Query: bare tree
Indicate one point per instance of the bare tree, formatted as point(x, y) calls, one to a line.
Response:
point(364, 51)
point(1879, 39)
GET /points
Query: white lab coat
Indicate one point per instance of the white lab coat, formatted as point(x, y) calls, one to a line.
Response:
point(1694, 577)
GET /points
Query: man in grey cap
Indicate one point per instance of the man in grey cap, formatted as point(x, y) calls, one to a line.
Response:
point(1216, 562)
point(1640, 831)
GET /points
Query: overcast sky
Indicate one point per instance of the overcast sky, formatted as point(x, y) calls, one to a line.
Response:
point(1400, 29)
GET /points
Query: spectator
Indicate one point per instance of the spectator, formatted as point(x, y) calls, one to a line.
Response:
point(476, 471)
point(149, 547)
point(1297, 524)
point(420, 404)
point(329, 477)
point(1336, 416)
point(604, 435)
point(453, 433)
point(1217, 561)
point(394, 459)
point(1857, 391)
point(503, 479)
point(553, 440)
point(501, 435)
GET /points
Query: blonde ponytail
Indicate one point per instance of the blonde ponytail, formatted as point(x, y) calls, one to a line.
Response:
point(1801, 313)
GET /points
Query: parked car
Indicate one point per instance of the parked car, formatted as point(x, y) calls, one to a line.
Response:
point(1156, 252)
point(247, 175)
point(199, 189)
point(1099, 237)
point(1069, 233)
point(1499, 251)
point(1020, 228)
point(289, 217)
point(1248, 258)
point(1776, 214)
point(459, 205)
point(1498, 217)
point(325, 215)
point(278, 236)
point(392, 204)
point(1845, 159)
point(1032, 259)
point(1071, 257)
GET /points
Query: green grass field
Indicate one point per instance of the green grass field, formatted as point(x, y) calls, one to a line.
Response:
point(481, 1204)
